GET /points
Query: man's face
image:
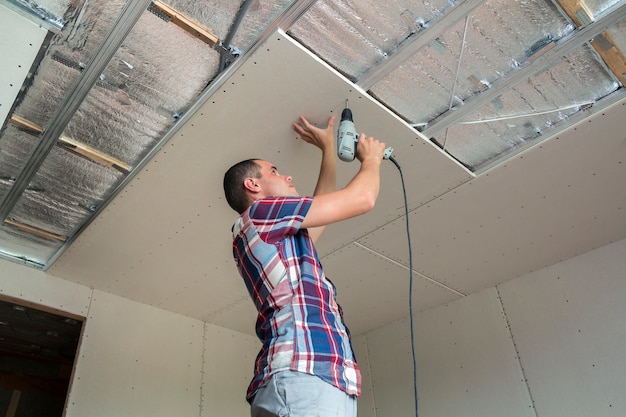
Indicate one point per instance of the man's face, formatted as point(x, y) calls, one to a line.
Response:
point(272, 183)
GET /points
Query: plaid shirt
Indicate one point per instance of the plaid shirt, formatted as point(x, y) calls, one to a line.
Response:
point(299, 321)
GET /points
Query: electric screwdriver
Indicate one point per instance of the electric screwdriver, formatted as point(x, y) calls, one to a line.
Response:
point(347, 138)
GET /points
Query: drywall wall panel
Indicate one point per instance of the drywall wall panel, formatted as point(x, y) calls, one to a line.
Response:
point(228, 364)
point(19, 45)
point(365, 404)
point(34, 286)
point(466, 363)
point(391, 370)
point(136, 360)
point(568, 322)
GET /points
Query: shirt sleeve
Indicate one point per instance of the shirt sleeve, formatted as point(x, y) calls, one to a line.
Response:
point(277, 217)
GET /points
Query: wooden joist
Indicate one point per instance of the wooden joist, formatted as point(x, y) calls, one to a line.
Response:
point(612, 55)
point(614, 58)
point(187, 24)
point(92, 154)
point(75, 146)
point(22, 123)
point(34, 230)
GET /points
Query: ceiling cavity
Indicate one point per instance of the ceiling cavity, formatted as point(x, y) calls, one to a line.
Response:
point(102, 85)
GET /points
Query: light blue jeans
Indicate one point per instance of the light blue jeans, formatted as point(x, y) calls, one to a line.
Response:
point(295, 394)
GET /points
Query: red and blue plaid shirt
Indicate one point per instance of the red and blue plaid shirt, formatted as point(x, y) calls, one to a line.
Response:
point(299, 321)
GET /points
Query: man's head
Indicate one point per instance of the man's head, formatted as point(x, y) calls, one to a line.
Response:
point(252, 179)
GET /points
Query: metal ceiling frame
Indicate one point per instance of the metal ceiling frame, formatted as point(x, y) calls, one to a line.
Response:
point(542, 63)
point(131, 13)
point(226, 48)
point(409, 48)
point(577, 117)
point(72, 100)
point(284, 21)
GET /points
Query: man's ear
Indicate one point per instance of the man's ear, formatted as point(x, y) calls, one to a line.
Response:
point(251, 185)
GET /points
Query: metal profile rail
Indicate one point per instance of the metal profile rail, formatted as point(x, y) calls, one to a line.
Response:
point(542, 63)
point(72, 100)
point(284, 21)
point(408, 49)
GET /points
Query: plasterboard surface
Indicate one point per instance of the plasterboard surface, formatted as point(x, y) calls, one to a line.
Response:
point(227, 371)
point(240, 316)
point(466, 363)
point(374, 291)
point(18, 52)
point(165, 240)
point(366, 400)
point(568, 325)
point(136, 360)
point(552, 202)
point(34, 286)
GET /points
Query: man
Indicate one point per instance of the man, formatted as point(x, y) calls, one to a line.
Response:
point(306, 366)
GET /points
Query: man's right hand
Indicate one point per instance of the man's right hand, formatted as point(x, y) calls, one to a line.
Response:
point(369, 148)
point(359, 196)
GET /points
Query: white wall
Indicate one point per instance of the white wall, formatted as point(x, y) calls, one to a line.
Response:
point(550, 343)
point(137, 360)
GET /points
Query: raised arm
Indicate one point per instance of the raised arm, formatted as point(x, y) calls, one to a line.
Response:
point(324, 139)
point(359, 196)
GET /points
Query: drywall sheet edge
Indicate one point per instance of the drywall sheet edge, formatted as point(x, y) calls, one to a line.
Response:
point(19, 45)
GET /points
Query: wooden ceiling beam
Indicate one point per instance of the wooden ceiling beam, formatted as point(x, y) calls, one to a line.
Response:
point(34, 230)
point(613, 57)
point(75, 146)
point(187, 24)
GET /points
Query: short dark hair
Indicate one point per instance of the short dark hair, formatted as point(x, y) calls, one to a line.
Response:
point(234, 189)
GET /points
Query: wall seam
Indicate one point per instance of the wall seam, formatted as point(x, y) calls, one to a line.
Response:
point(202, 368)
point(371, 382)
point(69, 398)
point(517, 354)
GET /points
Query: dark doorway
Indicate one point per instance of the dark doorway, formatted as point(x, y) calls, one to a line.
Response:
point(37, 351)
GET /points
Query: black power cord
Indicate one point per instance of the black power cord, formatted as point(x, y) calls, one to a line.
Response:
point(408, 235)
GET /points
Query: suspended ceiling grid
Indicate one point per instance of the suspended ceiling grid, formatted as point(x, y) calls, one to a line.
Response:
point(462, 77)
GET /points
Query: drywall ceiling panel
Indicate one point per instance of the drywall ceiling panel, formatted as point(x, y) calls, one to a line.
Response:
point(18, 51)
point(240, 316)
point(568, 325)
point(165, 239)
point(554, 201)
point(374, 291)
